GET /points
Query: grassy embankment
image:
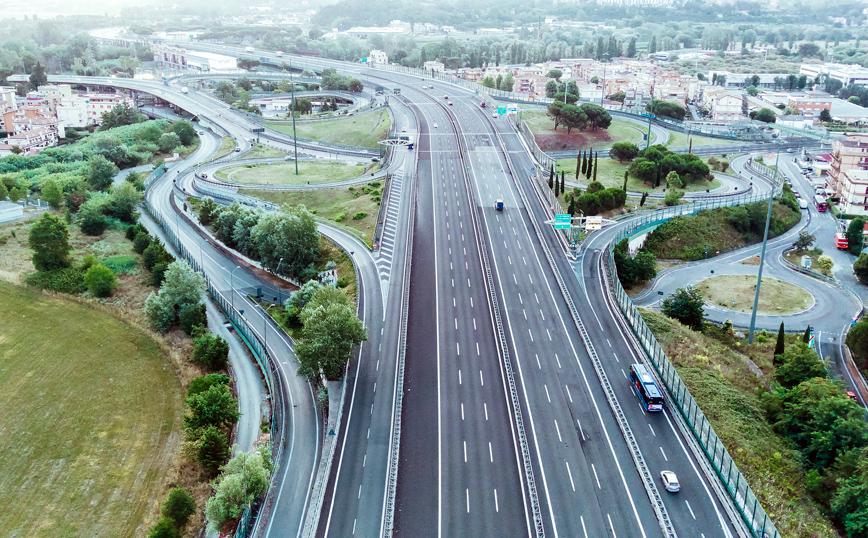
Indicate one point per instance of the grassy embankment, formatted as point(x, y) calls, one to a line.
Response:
point(353, 207)
point(550, 139)
point(359, 130)
point(714, 231)
point(736, 292)
point(611, 174)
point(227, 145)
point(259, 152)
point(91, 421)
point(723, 373)
point(309, 172)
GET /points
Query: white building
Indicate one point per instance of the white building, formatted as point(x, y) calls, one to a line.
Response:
point(378, 57)
point(847, 74)
point(434, 65)
point(98, 103)
point(795, 121)
point(189, 60)
point(854, 192)
point(73, 112)
point(33, 141)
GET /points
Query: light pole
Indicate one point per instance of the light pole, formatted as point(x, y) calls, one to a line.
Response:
point(232, 285)
point(651, 112)
point(294, 139)
point(763, 251)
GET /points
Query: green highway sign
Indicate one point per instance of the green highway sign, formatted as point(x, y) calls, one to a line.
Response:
point(501, 110)
point(562, 222)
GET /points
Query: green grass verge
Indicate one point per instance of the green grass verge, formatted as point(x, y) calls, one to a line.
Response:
point(736, 292)
point(309, 172)
point(91, 417)
point(360, 130)
point(259, 152)
point(550, 139)
point(677, 140)
point(723, 374)
point(611, 174)
point(227, 145)
point(339, 205)
point(688, 238)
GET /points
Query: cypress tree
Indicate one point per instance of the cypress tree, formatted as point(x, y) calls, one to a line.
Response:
point(807, 336)
point(779, 345)
point(657, 178)
point(578, 164)
point(572, 208)
point(590, 165)
point(552, 178)
point(584, 164)
point(596, 162)
point(625, 181)
point(563, 183)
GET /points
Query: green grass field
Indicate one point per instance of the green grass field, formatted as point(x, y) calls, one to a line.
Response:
point(337, 205)
point(91, 419)
point(736, 292)
point(259, 151)
point(611, 174)
point(227, 144)
point(360, 130)
point(550, 139)
point(677, 140)
point(311, 172)
point(723, 373)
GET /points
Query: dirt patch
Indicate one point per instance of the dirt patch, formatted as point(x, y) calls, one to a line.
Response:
point(577, 139)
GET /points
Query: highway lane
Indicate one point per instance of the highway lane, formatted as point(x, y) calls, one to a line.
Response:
point(453, 374)
point(693, 514)
point(580, 455)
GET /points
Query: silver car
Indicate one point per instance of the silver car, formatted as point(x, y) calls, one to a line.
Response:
point(670, 481)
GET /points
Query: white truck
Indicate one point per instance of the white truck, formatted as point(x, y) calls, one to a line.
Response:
point(248, 49)
point(184, 89)
point(278, 53)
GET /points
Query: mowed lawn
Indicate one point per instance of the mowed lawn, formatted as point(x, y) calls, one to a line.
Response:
point(91, 419)
point(359, 130)
point(737, 292)
point(338, 205)
point(550, 139)
point(309, 172)
point(611, 174)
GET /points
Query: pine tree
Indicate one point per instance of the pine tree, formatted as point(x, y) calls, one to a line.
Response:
point(807, 336)
point(657, 178)
point(779, 345)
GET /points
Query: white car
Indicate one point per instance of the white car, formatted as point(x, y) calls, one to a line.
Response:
point(450, 103)
point(403, 129)
point(435, 124)
point(670, 481)
point(494, 115)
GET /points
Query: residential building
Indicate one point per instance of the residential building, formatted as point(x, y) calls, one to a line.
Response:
point(850, 153)
point(854, 192)
point(591, 92)
point(722, 105)
point(434, 65)
point(98, 103)
point(33, 141)
point(363, 32)
point(73, 112)
point(378, 57)
point(847, 112)
point(810, 104)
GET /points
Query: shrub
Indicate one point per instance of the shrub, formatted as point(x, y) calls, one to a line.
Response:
point(160, 311)
point(213, 450)
point(93, 223)
point(88, 261)
point(673, 197)
point(211, 350)
point(165, 528)
point(158, 274)
point(685, 305)
point(205, 382)
point(339, 217)
point(155, 253)
point(179, 506)
point(49, 239)
point(123, 264)
point(214, 407)
point(190, 315)
point(133, 231)
point(595, 186)
point(607, 201)
point(100, 281)
point(360, 215)
point(68, 280)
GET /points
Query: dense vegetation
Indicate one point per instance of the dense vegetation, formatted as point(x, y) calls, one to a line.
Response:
point(712, 232)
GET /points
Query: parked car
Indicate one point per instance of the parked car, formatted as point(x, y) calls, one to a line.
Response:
point(670, 481)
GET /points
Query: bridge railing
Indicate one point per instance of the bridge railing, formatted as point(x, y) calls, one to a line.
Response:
point(741, 494)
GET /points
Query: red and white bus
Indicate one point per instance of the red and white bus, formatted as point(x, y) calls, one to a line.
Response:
point(821, 204)
point(841, 241)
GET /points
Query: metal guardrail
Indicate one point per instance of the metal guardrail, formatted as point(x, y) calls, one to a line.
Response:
point(267, 363)
point(745, 501)
point(515, 401)
point(804, 270)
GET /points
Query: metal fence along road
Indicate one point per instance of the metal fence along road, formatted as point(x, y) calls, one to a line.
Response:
point(753, 514)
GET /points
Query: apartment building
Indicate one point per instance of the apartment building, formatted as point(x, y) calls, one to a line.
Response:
point(854, 192)
point(722, 105)
point(848, 154)
point(33, 141)
point(810, 105)
point(434, 65)
point(98, 103)
point(378, 57)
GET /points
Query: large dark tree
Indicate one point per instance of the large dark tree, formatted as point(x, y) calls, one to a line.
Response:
point(49, 239)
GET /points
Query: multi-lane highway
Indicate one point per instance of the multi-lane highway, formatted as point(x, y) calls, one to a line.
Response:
point(506, 427)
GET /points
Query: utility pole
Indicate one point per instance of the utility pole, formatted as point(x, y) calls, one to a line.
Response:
point(292, 107)
point(763, 251)
point(651, 112)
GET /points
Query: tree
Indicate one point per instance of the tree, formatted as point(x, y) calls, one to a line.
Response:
point(663, 108)
point(164, 528)
point(179, 506)
point(780, 344)
point(633, 270)
point(809, 49)
point(765, 115)
point(624, 151)
point(213, 450)
point(804, 241)
point(331, 330)
point(807, 336)
point(122, 114)
point(168, 142)
point(752, 90)
point(572, 117)
point(825, 263)
point(857, 341)
point(289, 235)
point(631, 48)
point(226, 91)
point(799, 363)
point(49, 239)
point(205, 382)
point(860, 267)
point(825, 115)
point(211, 350)
point(100, 280)
point(38, 77)
point(854, 235)
point(643, 170)
point(673, 181)
point(591, 162)
point(181, 286)
point(595, 186)
point(685, 305)
point(598, 116)
point(551, 88)
point(52, 194)
point(213, 407)
point(207, 209)
point(508, 83)
point(100, 172)
point(673, 197)
point(488, 82)
point(244, 478)
point(124, 199)
point(555, 74)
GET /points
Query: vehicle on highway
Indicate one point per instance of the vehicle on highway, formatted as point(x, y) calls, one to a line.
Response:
point(445, 97)
point(435, 124)
point(821, 204)
point(184, 89)
point(248, 49)
point(803, 204)
point(450, 103)
point(841, 242)
point(644, 386)
point(375, 159)
point(820, 191)
point(403, 129)
point(498, 205)
point(482, 105)
point(278, 53)
point(670, 481)
point(494, 115)
point(852, 395)
point(237, 149)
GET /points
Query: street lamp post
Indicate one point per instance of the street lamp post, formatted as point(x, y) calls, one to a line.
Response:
point(294, 138)
point(232, 285)
point(763, 251)
point(651, 112)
